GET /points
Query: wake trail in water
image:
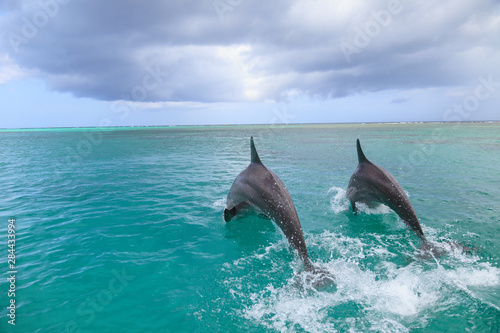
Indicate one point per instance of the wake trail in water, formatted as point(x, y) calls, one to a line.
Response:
point(374, 290)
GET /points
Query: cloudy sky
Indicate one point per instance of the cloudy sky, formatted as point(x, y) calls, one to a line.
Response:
point(130, 62)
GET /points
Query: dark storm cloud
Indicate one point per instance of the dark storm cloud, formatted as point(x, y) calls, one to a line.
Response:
point(242, 50)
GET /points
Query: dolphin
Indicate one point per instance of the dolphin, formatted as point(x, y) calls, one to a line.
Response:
point(260, 189)
point(371, 184)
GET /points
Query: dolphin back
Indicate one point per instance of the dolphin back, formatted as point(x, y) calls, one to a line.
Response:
point(259, 188)
point(373, 184)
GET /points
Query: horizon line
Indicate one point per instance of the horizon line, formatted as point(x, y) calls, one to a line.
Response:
point(253, 124)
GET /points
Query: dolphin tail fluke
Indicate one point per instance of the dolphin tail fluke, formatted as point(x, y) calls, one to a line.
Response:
point(317, 277)
point(361, 155)
point(429, 250)
point(255, 157)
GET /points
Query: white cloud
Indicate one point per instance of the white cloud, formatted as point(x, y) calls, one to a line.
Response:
point(9, 70)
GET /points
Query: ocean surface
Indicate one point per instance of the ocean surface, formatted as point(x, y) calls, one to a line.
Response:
point(122, 230)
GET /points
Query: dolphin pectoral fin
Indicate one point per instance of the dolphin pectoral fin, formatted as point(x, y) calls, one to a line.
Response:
point(229, 214)
point(354, 208)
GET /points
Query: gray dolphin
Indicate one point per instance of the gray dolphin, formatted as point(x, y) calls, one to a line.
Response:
point(262, 190)
point(371, 184)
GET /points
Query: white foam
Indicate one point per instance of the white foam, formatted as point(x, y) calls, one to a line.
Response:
point(407, 293)
point(379, 210)
point(219, 204)
point(482, 282)
point(338, 244)
point(386, 296)
point(483, 275)
point(339, 202)
point(285, 308)
point(260, 255)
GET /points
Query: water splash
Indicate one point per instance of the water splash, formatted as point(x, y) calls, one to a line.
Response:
point(219, 204)
point(339, 202)
point(378, 210)
point(376, 289)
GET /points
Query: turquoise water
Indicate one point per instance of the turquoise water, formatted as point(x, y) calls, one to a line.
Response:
point(122, 230)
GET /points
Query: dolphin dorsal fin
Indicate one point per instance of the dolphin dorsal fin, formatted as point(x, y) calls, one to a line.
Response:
point(255, 156)
point(361, 156)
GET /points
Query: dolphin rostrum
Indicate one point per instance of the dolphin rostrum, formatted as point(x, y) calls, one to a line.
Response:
point(371, 184)
point(260, 189)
